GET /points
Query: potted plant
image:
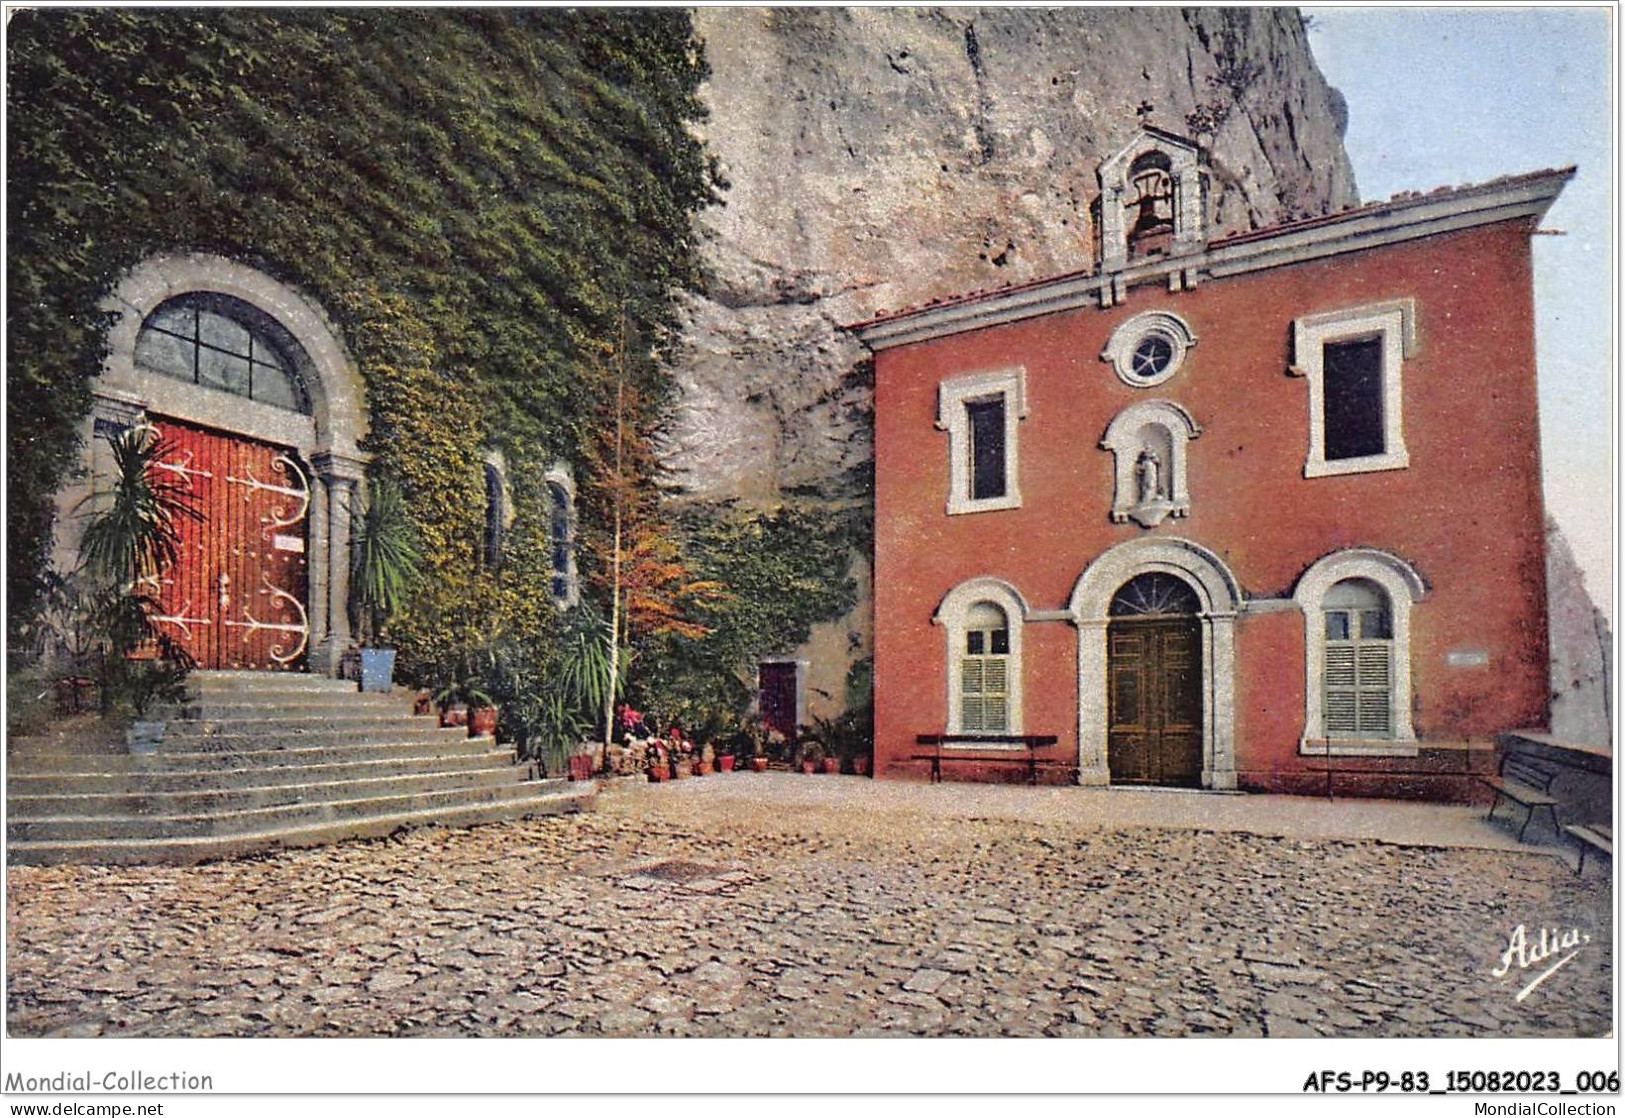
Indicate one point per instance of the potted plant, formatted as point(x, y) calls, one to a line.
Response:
point(386, 566)
point(482, 714)
point(812, 756)
point(724, 756)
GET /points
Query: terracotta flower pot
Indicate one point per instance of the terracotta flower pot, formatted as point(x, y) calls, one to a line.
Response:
point(454, 716)
point(726, 762)
point(860, 765)
point(809, 767)
point(482, 721)
point(581, 766)
point(658, 772)
point(702, 768)
point(423, 704)
point(832, 764)
point(758, 764)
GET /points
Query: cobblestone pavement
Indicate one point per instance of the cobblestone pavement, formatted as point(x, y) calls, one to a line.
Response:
point(673, 914)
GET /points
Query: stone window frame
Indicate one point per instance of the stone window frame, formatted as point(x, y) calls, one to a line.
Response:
point(1125, 340)
point(953, 614)
point(1404, 588)
point(1392, 321)
point(952, 396)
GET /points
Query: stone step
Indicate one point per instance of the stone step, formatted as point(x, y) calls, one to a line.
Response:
point(316, 705)
point(224, 758)
point(143, 802)
point(293, 723)
point(70, 828)
point(417, 730)
point(540, 798)
point(143, 781)
point(247, 683)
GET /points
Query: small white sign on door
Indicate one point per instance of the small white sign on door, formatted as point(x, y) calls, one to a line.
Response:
point(288, 543)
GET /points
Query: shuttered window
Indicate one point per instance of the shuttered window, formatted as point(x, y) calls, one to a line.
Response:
point(984, 672)
point(1359, 685)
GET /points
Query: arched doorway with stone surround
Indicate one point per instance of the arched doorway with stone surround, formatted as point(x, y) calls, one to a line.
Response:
point(1218, 599)
point(286, 451)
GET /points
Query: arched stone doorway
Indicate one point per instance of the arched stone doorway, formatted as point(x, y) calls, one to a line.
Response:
point(1200, 642)
point(248, 381)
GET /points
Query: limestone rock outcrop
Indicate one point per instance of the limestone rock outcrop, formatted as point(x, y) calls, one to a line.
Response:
point(881, 157)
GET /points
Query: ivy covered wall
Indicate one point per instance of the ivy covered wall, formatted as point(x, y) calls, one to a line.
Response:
point(478, 198)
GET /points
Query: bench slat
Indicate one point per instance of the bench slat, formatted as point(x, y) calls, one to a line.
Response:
point(1519, 793)
point(1591, 836)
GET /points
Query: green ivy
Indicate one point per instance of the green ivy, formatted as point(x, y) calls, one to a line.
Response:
point(474, 195)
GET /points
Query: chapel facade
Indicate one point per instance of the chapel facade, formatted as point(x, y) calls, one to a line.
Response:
point(1260, 512)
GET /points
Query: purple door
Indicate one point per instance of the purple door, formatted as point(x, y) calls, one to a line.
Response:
point(778, 698)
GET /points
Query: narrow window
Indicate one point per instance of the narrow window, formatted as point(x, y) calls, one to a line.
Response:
point(987, 447)
point(984, 671)
point(1354, 411)
point(493, 516)
point(1358, 694)
point(559, 539)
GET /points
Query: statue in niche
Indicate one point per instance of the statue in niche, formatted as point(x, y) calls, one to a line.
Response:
point(1149, 469)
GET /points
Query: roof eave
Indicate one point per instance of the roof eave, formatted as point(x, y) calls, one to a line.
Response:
point(1371, 227)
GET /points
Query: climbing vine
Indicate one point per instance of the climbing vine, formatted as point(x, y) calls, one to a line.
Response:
point(475, 196)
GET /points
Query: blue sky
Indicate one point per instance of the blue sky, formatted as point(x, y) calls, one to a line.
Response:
point(1443, 96)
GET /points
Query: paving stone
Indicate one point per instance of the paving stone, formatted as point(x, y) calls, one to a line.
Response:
point(836, 921)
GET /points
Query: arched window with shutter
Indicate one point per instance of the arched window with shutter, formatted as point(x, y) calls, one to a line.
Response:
point(982, 620)
point(985, 671)
point(1357, 609)
point(1359, 676)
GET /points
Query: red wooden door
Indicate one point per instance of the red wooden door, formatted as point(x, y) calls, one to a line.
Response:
point(778, 698)
point(236, 596)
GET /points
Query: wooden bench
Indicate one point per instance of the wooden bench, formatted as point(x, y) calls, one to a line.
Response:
point(1030, 758)
point(1591, 836)
point(1527, 783)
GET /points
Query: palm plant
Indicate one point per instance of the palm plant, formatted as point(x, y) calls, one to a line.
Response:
point(386, 557)
point(136, 532)
point(130, 538)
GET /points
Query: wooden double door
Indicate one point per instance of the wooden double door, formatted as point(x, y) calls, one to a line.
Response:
point(235, 597)
point(1154, 683)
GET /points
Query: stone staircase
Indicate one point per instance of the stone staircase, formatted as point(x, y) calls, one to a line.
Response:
point(258, 762)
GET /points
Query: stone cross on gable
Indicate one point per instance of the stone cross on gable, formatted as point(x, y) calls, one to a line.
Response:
point(1144, 111)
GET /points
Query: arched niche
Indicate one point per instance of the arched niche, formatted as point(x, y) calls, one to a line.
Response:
point(1147, 441)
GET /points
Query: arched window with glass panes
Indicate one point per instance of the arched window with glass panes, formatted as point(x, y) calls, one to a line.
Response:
point(223, 343)
point(984, 671)
point(561, 530)
point(1359, 671)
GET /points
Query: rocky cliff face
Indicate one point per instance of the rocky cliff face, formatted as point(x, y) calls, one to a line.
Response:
point(1581, 648)
point(882, 157)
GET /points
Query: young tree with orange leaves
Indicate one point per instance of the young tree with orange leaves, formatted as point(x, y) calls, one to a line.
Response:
point(638, 563)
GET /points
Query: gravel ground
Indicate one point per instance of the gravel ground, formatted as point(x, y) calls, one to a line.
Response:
point(667, 913)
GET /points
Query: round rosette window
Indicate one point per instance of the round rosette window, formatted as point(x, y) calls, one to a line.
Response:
point(1149, 348)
